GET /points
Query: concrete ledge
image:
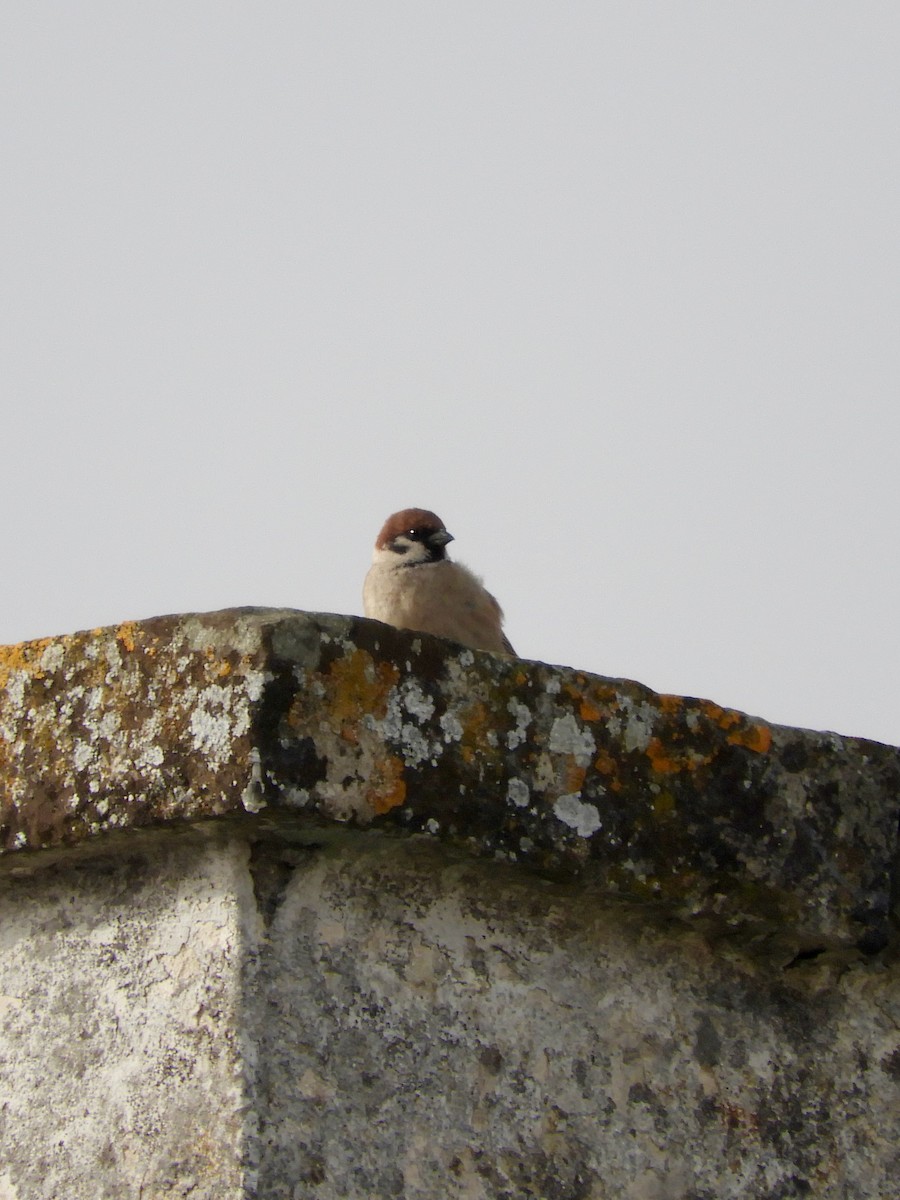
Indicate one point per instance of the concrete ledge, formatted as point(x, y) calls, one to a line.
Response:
point(338, 720)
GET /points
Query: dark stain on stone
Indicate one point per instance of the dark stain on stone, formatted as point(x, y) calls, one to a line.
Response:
point(890, 1064)
point(794, 757)
point(805, 956)
point(285, 759)
point(707, 1044)
point(642, 1093)
point(272, 866)
point(491, 1059)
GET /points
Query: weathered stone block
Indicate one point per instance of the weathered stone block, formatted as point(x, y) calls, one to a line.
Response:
point(122, 1063)
point(306, 906)
point(438, 1027)
point(341, 720)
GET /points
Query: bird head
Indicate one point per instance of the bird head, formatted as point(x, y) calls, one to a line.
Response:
point(413, 536)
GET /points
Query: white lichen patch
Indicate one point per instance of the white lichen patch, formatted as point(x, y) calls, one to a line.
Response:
point(544, 776)
point(344, 800)
point(210, 724)
point(568, 737)
point(637, 730)
point(150, 756)
point(221, 714)
point(414, 745)
point(15, 688)
point(53, 658)
point(458, 677)
point(83, 755)
point(150, 729)
point(572, 811)
point(254, 683)
point(113, 659)
point(517, 793)
point(252, 797)
point(415, 701)
point(522, 714)
point(108, 724)
point(295, 797)
point(451, 726)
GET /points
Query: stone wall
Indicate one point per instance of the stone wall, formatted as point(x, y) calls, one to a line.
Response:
point(306, 906)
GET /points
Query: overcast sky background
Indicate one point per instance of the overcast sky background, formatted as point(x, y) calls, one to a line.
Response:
point(613, 287)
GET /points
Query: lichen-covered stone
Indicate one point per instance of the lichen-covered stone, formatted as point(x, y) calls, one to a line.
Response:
point(654, 962)
point(437, 1029)
point(219, 1015)
point(338, 720)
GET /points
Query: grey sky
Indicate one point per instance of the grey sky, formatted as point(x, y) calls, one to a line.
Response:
point(615, 288)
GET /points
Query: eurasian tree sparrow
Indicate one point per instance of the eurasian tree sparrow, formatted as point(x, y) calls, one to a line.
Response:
point(413, 584)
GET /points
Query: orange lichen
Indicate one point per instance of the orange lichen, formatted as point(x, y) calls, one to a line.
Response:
point(605, 764)
point(23, 656)
point(387, 787)
point(757, 738)
point(608, 767)
point(725, 718)
point(663, 761)
point(350, 733)
point(574, 776)
point(671, 704)
point(588, 710)
point(125, 634)
point(353, 687)
point(220, 669)
point(477, 722)
point(357, 684)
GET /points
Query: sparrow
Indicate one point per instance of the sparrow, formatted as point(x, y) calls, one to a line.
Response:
point(414, 585)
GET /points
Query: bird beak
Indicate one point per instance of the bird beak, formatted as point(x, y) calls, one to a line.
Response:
point(440, 538)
